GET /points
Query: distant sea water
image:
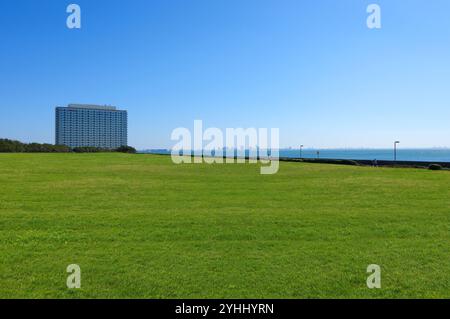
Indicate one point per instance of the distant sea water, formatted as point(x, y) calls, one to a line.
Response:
point(420, 155)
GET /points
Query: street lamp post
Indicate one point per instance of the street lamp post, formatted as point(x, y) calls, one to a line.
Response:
point(395, 150)
point(301, 149)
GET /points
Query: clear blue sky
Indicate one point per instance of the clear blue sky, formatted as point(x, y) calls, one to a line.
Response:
point(311, 68)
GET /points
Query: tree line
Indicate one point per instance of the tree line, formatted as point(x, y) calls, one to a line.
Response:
point(10, 146)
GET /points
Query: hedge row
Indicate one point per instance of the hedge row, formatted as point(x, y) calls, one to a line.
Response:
point(10, 146)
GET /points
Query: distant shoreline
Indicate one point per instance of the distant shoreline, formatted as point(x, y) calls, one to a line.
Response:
point(421, 156)
point(352, 162)
point(379, 163)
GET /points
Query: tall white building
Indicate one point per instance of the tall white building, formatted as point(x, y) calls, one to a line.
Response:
point(80, 125)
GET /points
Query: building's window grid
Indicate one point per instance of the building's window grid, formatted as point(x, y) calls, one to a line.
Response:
point(78, 127)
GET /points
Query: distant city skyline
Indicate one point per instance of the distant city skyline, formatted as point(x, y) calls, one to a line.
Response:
point(312, 69)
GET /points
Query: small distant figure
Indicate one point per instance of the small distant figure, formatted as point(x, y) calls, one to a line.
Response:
point(375, 163)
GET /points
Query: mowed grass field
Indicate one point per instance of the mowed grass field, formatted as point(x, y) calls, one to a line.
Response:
point(142, 227)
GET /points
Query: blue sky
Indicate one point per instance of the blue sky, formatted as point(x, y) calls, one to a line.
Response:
point(311, 68)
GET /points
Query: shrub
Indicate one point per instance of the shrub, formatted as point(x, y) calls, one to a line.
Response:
point(89, 149)
point(126, 149)
point(9, 146)
point(435, 167)
point(61, 149)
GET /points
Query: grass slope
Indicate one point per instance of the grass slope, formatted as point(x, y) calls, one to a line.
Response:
point(142, 227)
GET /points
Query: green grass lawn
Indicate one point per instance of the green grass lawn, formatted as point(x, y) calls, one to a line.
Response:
point(142, 227)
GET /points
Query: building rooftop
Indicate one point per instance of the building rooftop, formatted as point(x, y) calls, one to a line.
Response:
point(92, 106)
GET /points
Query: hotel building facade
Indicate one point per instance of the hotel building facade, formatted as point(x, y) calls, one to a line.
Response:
point(81, 125)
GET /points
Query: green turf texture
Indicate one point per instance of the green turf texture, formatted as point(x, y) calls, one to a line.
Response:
point(140, 226)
